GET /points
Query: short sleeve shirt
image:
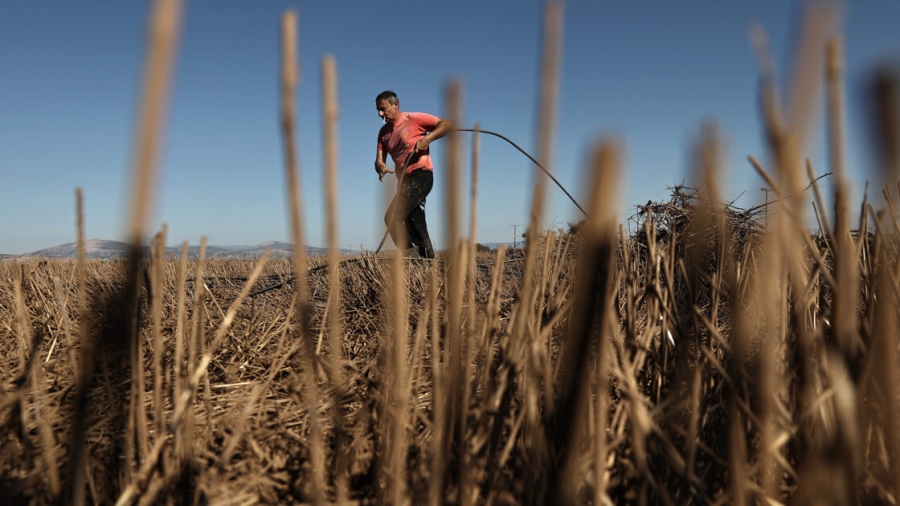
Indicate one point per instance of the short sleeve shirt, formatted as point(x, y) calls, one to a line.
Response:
point(400, 137)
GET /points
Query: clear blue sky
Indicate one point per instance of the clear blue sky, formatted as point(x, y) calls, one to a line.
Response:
point(647, 72)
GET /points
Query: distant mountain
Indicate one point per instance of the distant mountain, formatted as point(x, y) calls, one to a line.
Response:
point(277, 250)
point(93, 248)
point(105, 249)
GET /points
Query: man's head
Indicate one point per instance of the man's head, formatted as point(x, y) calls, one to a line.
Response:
point(388, 106)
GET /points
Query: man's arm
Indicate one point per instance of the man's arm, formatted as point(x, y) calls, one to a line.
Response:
point(381, 167)
point(442, 128)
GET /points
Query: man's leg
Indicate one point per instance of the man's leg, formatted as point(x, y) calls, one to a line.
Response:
point(419, 187)
point(409, 211)
point(418, 227)
point(412, 233)
point(410, 196)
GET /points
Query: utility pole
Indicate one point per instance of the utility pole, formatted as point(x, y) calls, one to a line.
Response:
point(767, 190)
point(515, 242)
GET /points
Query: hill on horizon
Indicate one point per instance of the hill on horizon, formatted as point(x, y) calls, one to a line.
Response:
point(107, 249)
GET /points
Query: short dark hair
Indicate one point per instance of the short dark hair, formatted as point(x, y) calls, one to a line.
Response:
point(388, 95)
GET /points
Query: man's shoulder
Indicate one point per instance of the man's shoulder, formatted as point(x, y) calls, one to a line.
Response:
point(423, 117)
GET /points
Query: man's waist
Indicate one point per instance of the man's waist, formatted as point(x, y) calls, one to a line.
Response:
point(417, 162)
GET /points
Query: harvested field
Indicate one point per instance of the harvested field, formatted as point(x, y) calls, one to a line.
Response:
point(705, 354)
point(698, 395)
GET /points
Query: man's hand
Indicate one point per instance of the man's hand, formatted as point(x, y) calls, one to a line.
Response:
point(421, 146)
point(380, 166)
point(382, 170)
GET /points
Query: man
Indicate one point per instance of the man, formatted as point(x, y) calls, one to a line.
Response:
point(406, 136)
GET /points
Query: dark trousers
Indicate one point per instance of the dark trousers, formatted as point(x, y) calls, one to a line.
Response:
point(407, 211)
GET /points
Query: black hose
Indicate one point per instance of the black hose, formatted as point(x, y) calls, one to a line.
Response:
point(495, 134)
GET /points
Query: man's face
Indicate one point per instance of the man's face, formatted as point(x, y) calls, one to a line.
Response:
point(387, 111)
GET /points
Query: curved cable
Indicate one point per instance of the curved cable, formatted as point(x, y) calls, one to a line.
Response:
point(495, 134)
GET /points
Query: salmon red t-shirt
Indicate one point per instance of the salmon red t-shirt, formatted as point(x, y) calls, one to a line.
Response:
point(400, 137)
